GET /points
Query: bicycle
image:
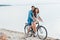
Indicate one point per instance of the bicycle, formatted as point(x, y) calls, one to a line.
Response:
point(40, 31)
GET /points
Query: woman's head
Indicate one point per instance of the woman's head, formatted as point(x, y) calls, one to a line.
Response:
point(36, 11)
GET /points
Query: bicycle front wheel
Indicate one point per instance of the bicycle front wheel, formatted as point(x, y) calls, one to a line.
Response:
point(42, 32)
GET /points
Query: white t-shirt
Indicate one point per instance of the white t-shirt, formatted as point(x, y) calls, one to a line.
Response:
point(38, 16)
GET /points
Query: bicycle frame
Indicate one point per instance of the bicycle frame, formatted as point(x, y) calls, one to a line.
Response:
point(38, 26)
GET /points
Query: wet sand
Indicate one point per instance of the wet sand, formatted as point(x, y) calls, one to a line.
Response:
point(13, 35)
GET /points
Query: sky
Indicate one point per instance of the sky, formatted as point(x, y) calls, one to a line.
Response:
point(14, 17)
point(28, 1)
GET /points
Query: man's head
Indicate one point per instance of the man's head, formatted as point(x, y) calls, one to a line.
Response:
point(32, 7)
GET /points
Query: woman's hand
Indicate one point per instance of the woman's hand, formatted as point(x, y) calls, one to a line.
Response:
point(40, 19)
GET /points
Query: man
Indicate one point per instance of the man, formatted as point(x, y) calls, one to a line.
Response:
point(30, 17)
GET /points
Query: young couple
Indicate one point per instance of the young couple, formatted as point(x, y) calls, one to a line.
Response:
point(33, 16)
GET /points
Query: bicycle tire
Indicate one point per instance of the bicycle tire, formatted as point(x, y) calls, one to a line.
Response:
point(25, 29)
point(45, 31)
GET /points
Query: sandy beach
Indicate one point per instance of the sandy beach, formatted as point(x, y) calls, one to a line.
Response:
point(13, 35)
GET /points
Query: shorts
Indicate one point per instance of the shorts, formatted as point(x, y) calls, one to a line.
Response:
point(30, 22)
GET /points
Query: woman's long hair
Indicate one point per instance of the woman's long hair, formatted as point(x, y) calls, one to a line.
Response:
point(35, 11)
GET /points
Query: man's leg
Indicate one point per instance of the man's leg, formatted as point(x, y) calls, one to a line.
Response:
point(29, 29)
point(27, 32)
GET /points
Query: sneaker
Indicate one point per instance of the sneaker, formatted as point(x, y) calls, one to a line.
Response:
point(35, 34)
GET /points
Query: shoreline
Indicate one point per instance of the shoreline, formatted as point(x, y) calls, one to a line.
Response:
point(14, 35)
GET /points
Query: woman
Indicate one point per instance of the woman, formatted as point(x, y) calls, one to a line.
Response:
point(35, 17)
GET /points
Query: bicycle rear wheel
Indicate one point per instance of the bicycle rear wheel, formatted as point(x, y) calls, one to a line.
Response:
point(42, 32)
point(26, 28)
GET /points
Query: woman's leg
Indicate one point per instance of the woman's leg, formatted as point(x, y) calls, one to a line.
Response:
point(34, 26)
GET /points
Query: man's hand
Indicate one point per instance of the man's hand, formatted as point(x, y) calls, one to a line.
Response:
point(34, 18)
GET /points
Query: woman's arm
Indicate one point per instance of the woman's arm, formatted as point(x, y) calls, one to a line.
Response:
point(39, 18)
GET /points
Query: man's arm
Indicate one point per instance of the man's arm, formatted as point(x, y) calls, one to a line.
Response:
point(30, 15)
